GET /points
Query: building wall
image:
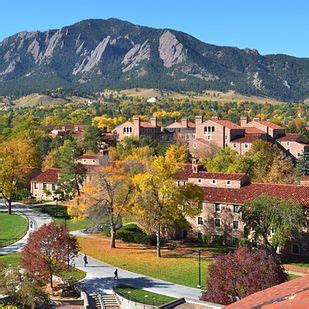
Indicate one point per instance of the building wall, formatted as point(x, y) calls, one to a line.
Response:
point(226, 215)
point(37, 190)
point(217, 183)
point(125, 130)
point(296, 149)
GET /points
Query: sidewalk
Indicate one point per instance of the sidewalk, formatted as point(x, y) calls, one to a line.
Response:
point(37, 218)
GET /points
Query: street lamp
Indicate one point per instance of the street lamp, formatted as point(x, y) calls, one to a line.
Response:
point(199, 269)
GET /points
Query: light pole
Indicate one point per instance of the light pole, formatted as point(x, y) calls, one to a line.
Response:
point(199, 269)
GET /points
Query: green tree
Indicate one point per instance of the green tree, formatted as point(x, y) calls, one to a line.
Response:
point(272, 220)
point(92, 138)
point(44, 145)
point(72, 172)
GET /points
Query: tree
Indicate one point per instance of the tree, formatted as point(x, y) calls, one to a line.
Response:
point(21, 289)
point(44, 145)
point(47, 252)
point(238, 274)
point(108, 194)
point(51, 160)
point(176, 154)
point(16, 159)
point(282, 169)
point(72, 172)
point(92, 138)
point(158, 201)
point(272, 220)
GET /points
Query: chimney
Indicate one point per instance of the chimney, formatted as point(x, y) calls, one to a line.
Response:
point(136, 125)
point(243, 121)
point(153, 121)
point(215, 117)
point(184, 122)
point(198, 120)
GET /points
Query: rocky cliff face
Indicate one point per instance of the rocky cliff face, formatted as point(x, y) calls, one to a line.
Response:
point(93, 54)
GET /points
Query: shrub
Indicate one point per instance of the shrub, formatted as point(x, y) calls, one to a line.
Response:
point(207, 238)
point(243, 272)
point(132, 233)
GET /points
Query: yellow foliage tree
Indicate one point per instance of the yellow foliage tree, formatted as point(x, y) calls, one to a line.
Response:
point(159, 202)
point(107, 194)
point(176, 154)
point(17, 157)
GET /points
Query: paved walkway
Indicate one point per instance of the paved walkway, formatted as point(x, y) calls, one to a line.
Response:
point(37, 218)
point(100, 279)
point(100, 276)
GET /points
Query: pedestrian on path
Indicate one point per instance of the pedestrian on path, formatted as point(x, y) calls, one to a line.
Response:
point(85, 260)
point(31, 224)
point(116, 274)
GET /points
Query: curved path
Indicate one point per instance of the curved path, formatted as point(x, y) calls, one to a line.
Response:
point(100, 279)
point(100, 276)
point(38, 219)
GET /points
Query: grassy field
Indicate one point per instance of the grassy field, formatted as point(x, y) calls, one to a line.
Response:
point(173, 266)
point(11, 259)
point(12, 228)
point(141, 296)
point(291, 276)
point(60, 215)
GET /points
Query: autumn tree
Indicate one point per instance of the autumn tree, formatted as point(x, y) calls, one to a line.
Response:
point(72, 172)
point(108, 194)
point(272, 220)
point(16, 159)
point(177, 154)
point(47, 252)
point(158, 201)
point(238, 274)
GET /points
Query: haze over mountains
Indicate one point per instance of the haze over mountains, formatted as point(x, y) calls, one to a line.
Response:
point(95, 54)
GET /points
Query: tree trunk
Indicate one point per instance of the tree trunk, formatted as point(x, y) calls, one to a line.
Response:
point(51, 280)
point(113, 237)
point(159, 240)
point(10, 207)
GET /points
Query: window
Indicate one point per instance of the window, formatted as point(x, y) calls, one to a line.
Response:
point(200, 221)
point(93, 161)
point(217, 222)
point(213, 129)
point(205, 130)
point(298, 154)
point(53, 187)
point(288, 144)
point(234, 146)
point(130, 129)
point(235, 225)
point(246, 145)
point(204, 205)
point(214, 181)
point(236, 208)
point(199, 235)
point(199, 180)
point(35, 185)
point(44, 186)
point(225, 137)
point(228, 183)
point(235, 241)
point(295, 249)
point(209, 137)
point(217, 207)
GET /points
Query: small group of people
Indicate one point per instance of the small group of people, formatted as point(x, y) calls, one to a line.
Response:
point(85, 258)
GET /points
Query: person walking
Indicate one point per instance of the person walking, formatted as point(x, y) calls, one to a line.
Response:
point(85, 260)
point(31, 224)
point(116, 274)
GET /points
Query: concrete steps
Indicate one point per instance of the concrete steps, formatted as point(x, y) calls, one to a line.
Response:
point(105, 301)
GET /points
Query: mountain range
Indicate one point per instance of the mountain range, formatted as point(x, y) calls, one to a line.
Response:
point(95, 54)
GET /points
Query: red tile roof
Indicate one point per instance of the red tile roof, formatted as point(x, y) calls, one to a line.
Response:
point(186, 172)
point(178, 124)
point(248, 138)
point(291, 294)
point(145, 124)
point(292, 137)
point(49, 176)
point(253, 130)
point(89, 156)
point(268, 124)
point(251, 191)
point(227, 123)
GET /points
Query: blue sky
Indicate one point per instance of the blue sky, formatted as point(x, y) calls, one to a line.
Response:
point(273, 26)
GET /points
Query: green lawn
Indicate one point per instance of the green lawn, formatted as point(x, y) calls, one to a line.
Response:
point(60, 215)
point(73, 274)
point(141, 296)
point(12, 228)
point(291, 277)
point(11, 259)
